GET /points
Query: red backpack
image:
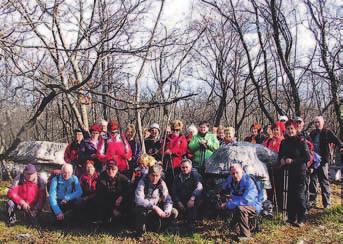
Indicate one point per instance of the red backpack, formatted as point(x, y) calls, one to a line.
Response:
point(310, 149)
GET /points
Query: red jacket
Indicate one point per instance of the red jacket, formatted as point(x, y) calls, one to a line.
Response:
point(88, 184)
point(273, 143)
point(178, 146)
point(118, 149)
point(32, 193)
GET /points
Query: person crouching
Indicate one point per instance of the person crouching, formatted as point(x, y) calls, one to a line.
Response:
point(153, 202)
point(243, 200)
point(187, 191)
point(64, 190)
point(112, 193)
point(27, 193)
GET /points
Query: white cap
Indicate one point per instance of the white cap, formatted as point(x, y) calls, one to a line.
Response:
point(283, 118)
point(154, 125)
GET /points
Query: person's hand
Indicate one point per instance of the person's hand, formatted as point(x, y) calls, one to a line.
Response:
point(180, 205)
point(25, 206)
point(167, 214)
point(159, 211)
point(168, 152)
point(60, 216)
point(190, 203)
point(288, 160)
point(222, 206)
point(118, 201)
point(63, 201)
point(282, 162)
point(34, 213)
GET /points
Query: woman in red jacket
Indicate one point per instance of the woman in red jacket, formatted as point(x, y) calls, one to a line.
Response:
point(175, 150)
point(27, 193)
point(274, 142)
point(115, 148)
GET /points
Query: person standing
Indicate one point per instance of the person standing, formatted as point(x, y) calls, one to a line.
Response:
point(321, 138)
point(202, 146)
point(153, 143)
point(293, 156)
point(256, 136)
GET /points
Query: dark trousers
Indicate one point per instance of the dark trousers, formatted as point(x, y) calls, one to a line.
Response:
point(190, 214)
point(322, 175)
point(12, 208)
point(147, 219)
point(296, 201)
point(240, 220)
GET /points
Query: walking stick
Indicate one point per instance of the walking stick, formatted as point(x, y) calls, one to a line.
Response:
point(274, 193)
point(285, 194)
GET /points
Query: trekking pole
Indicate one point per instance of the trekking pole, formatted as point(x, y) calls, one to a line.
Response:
point(274, 193)
point(285, 193)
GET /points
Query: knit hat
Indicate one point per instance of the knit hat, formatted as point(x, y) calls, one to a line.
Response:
point(113, 125)
point(283, 118)
point(30, 169)
point(154, 126)
point(96, 127)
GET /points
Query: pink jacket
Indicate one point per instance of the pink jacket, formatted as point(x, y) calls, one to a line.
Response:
point(30, 192)
point(117, 149)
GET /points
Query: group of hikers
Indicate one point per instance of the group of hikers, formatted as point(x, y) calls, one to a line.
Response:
point(107, 179)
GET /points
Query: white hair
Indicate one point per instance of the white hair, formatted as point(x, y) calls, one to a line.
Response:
point(319, 118)
point(192, 128)
point(67, 167)
point(103, 122)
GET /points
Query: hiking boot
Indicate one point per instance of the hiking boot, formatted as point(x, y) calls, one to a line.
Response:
point(300, 224)
point(11, 221)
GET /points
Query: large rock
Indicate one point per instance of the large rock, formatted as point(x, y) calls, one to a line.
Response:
point(253, 158)
point(39, 152)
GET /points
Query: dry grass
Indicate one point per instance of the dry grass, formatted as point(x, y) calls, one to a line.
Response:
point(321, 227)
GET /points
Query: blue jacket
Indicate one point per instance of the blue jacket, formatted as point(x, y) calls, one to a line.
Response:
point(61, 189)
point(245, 194)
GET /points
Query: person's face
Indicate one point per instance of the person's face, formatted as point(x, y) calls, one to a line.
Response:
point(78, 136)
point(90, 169)
point(236, 174)
point(229, 135)
point(154, 178)
point(300, 125)
point(129, 134)
point(221, 134)
point(291, 131)
point(112, 171)
point(186, 168)
point(254, 131)
point(176, 132)
point(67, 173)
point(30, 177)
point(169, 130)
point(276, 131)
point(95, 135)
point(203, 129)
point(154, 132)
point(319, 124)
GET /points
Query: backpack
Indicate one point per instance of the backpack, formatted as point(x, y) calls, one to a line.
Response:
point(73, 185)
point(310, 149)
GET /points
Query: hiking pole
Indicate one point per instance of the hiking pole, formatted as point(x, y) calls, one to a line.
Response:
point(285, 193)
point(274, 193)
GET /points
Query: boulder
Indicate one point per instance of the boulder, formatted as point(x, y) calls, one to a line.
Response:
point(254, 159)
point(39, 152)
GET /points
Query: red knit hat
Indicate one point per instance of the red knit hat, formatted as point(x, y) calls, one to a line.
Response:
point(113, 125)
point(96, 127)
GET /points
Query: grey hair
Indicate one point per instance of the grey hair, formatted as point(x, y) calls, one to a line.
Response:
point(186, 160)
point(67, 167)
point(320, 118)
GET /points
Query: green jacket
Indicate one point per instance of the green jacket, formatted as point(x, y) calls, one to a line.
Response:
point(194, 147)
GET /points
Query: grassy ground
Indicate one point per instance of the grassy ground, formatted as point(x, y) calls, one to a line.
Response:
point(321, 227)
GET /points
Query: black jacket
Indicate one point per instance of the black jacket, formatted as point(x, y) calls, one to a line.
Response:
point(296, 149)
point(326, 136)
point(109, 189)
point(153, 147)
point(186, 186)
